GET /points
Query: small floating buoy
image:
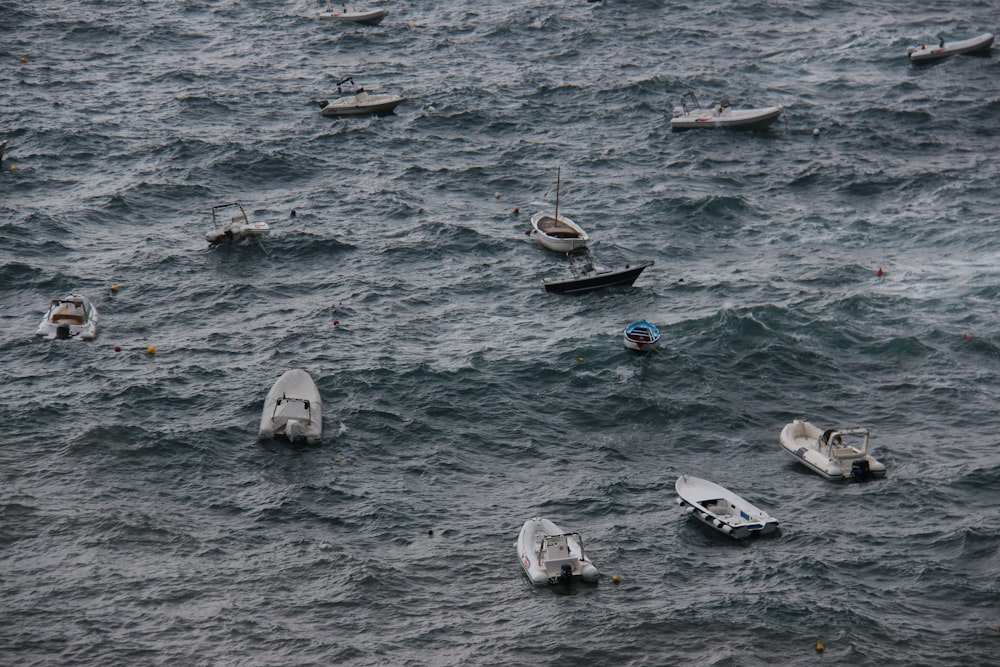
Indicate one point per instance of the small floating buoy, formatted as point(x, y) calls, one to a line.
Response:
point(292, 214)
point(516, 211)
point(118, 348)
point(430, 532)
point(497, 195)
point(336, 322)
point(966, 337)
point(150, 349)
point(23, 59)
point(819, 646)
point(815, 131)
point(580, 359)
point(879, 273)
point(13, 167)
point(616, 579)
point(114, 289)
point(527, 232)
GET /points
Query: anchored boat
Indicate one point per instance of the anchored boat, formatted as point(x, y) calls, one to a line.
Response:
point(942, 49)
point(642, 336)
point(834, 453)
point(722, 509)
point(550, 555)
point(237, 228)
point(557, 232)
point(71, 318)
point(359, 104)
point(689, 115)
point(346, 15)
point(293, 409)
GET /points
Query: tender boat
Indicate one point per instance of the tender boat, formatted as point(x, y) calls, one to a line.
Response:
point(293, 409)
point(557, 232)
point(73, 317)
point(364, 16)
point(550, 555)
point(3, 146)
point(236, 228)
point(943, 49)
point(590, 275)
point(359, 104)
point(835, 453)
point(642, 336)
point(689, 115)
point(722, 509)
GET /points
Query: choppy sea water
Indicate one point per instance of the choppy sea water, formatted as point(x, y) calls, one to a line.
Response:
point(142, 522)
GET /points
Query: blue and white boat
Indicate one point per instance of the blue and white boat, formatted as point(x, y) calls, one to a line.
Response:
point(642, 336)
point(722, 509)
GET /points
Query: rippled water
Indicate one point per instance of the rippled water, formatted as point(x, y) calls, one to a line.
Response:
point(142, 522)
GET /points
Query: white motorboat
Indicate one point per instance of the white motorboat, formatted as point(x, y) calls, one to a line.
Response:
point(236, 228)
point(363, 16)
point(293, 409)
point(557, 232)
point(359, 104)
point(689, 115)
point(722, 509)
point(550, 555)
point(835, 453)
point(943, 49)
point(73, 317)
point(642, 336)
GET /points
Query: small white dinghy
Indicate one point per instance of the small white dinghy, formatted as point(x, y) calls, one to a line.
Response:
point(835, 453)
point(722, 509)
point(346, 15)
point(293, 409)
point(237, 228)
point(360, 103)
point(71, 318)
point(642, 336)
point(943, 49)
point(557, 232)
point(550, 555)
point(689, 115)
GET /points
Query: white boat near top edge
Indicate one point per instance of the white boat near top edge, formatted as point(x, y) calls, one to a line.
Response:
point(689, 115)
point(550, 555)
point(71, 318)
point(943, 49)
point(237, 228)
point(364, 16)
point(722, 509)
point(835, 453)
point(293, 409)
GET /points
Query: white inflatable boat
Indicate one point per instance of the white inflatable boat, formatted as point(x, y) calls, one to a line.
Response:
point(689, 115)
point(722, 509)
point(550, 555)
point(943, 49)
point(360, 103)
point(293, 409)
point(347, 15)
point(236, 228)
point(835, 453)
point(71, 318)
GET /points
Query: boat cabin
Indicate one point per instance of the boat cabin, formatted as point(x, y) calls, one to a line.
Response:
point(68, 312)
point(555, 553)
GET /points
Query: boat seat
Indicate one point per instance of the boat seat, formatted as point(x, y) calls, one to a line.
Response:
point(67, 318)
point(846, 453)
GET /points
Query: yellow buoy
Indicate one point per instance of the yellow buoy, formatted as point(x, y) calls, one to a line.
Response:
point(616, 579)
point(13, 167)
point(580, 359)
point(150, 349)
point(819, 646)
point(114, 288)
point(23, 59)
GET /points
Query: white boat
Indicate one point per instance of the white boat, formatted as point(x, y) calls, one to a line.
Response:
point(363, 16)
point(73, 317)
point(944, 49)
point(722, 509)
point(557, 232)
point(689, 115)
point(359, 104)
point(293, 409)
point(642, 336)
point(550, 555)
point(835, 453)
point(236, 228)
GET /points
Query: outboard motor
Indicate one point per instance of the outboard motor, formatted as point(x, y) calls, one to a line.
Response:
point(62, 332)
point(295, 430)
point(860, 470)
point(566, 575)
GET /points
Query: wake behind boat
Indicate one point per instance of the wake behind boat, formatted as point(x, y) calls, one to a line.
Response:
point(236, 228)
point(550, 555)
point(689, 115)
point(722, 509)
point(942, 49)
point(359, 104)
point(69, 318)
point(835, 453)
point(293, 409)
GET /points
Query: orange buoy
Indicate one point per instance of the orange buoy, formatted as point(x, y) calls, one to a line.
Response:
point(118, 348)
point(879, 273)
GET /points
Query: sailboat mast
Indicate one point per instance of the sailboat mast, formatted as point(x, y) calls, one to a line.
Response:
point(558, 181)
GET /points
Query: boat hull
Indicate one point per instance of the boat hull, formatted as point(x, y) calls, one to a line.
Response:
point(238, 232)
point(558, 233)
point(721, 509)
point(744, 119)
point(641, 336)
point(373, 17)
point(597, 280)
point(373, 105)
point(542, 571)
point(293, 409)
point(925, 53)
point(802, 441)
point(71, 318)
